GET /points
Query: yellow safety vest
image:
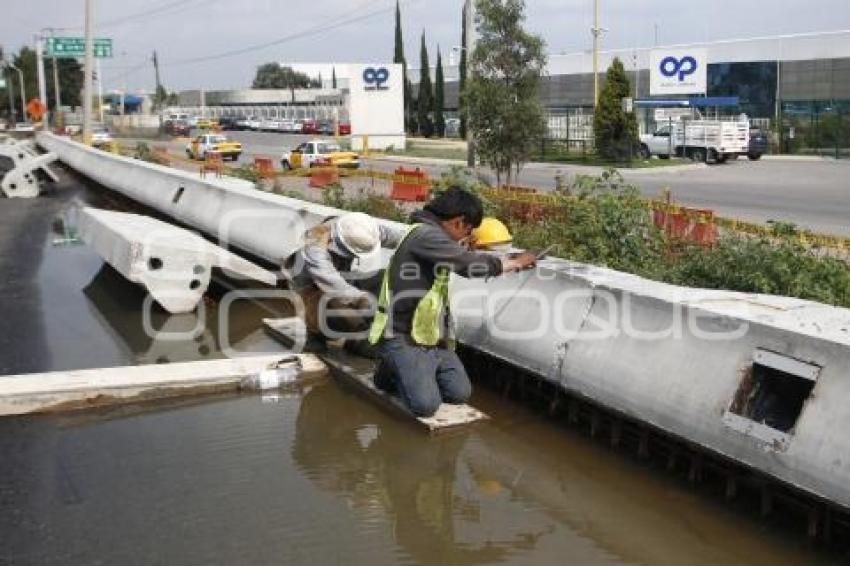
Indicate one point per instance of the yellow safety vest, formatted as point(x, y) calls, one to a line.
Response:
point(425, 329)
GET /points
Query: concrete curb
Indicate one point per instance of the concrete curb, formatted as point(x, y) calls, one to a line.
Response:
point(72, 390)
point(553, 167)
point(802, 158)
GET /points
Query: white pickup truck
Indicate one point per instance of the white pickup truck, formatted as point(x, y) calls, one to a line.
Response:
point(712, 141)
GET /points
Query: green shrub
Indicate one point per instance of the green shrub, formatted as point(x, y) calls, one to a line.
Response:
point(606, 221)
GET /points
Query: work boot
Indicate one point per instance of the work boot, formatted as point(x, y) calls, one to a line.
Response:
point(315, 344)
point(384, 380)
point(360, 348)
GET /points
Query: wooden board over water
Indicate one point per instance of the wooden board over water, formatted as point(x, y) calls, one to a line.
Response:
point(358, 371)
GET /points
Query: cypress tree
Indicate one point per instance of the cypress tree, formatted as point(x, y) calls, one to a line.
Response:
point(613, 129)
point(333, 78)
point(439, 97)
point(398, 57)
point(460, 104)
point(425, 92)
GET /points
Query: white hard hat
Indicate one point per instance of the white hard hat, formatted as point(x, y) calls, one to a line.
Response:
point(355, 234)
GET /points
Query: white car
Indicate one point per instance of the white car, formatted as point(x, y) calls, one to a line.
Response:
point(100, 137)
point(319, 153)
point(268, 125)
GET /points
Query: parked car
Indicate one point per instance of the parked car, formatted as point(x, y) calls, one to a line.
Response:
point(297, 126)
point(177, 128)
point(758, 144)
point(344, 129)
point(319, 152)
point(309, 127)
point(206, 144)
point(227, 123)
point(271, 125)
point(100, 137)
point(325, 127)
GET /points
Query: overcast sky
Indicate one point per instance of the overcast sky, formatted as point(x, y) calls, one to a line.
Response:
point(362, 30)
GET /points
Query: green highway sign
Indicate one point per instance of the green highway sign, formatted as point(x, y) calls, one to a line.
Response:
point(75, 47)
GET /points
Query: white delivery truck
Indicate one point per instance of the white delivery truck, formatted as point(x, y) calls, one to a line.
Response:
point(712, 141)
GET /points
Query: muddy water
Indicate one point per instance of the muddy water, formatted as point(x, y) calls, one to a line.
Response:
point(324, 477)
point(62, 308)
point(320, 476)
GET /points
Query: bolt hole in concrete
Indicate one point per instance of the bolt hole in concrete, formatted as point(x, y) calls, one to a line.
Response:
point(195, 284)
point(155, 264)
point(178, 195)
point(198, 269)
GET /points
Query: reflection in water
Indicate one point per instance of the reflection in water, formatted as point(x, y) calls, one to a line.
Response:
point(436, 505)
point(118, 304)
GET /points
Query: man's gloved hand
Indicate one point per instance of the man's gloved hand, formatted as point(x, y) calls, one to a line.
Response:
point(518, 261)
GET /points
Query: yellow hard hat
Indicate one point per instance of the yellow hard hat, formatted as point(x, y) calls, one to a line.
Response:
point(491, 232)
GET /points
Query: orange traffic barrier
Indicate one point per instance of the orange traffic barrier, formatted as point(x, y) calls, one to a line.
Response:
point(265, 167)
point(323, 175)
point(682, 223)
point(212, 162)
point(411, 185)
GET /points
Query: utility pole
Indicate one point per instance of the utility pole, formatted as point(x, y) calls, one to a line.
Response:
point(89, 71)
point(596, 31)
point(56, 96)
point(158, 82)
point(470, 48)
point(42, 85)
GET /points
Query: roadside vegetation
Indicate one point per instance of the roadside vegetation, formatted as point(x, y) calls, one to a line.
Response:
point(606, 222)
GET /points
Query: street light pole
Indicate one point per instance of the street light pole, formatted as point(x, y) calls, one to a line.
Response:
point(470, 48)
point(596, 31)
point(89, 71)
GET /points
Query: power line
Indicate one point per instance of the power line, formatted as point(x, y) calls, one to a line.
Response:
point(168, 9)
point(344, 20)
point(165, 10)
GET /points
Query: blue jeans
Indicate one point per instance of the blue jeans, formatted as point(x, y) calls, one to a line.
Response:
point(423, 377)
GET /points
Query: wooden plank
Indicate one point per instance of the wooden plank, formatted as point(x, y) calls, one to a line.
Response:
point(357, 372)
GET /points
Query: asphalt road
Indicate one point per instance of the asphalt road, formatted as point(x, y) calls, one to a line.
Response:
point(812, 194)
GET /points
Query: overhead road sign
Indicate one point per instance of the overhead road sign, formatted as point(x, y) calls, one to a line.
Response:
point(75, 47)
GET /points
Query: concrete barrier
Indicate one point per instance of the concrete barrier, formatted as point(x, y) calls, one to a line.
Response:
point(22, 180)
point(762, 380)
point(69, 390)
point(173, 264)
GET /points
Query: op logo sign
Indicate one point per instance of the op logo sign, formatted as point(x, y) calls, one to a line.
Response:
point(376, 78)
point(678, 72)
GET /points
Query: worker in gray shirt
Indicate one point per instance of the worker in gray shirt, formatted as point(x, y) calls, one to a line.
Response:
point(412, 328)
point(321, 272)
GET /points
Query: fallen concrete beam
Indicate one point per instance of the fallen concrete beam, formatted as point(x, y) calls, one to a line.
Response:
point(173, 264)
point(72, 390)
point(22, 180)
